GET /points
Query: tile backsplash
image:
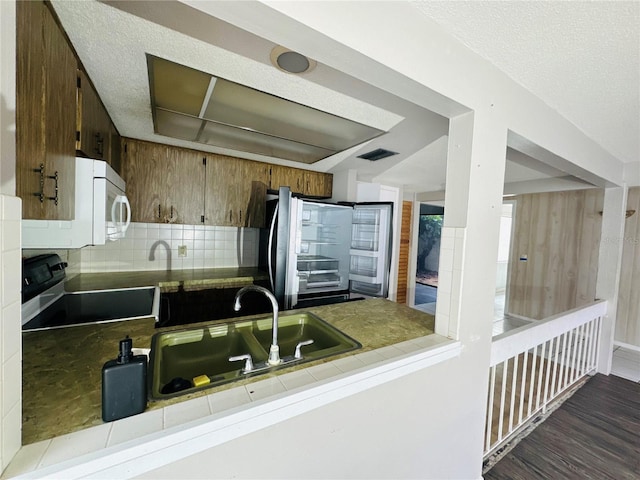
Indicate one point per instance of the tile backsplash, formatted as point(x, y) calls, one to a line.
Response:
point(153, 246)
point(10, 333)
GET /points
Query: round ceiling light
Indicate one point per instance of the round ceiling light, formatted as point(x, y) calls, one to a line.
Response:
point(293, 62)
point(290, 61)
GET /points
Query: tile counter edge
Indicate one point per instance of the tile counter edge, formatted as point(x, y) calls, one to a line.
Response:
point(210, 428)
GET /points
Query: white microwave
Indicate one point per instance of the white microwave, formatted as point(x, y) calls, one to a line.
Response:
point(102, 211)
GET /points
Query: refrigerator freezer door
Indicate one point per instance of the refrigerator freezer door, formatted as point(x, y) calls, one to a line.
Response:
point(370, 249)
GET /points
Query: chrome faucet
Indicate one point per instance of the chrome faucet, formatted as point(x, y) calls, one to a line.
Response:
point(152, 252)
point(274, 350)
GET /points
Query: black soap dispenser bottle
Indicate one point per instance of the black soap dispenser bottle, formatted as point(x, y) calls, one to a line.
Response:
point(124, 384)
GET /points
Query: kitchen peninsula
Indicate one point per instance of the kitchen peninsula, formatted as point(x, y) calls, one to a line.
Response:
point(169, 281)
point(62, 368)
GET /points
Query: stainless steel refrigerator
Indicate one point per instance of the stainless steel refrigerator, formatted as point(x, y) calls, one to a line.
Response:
point(318, 253)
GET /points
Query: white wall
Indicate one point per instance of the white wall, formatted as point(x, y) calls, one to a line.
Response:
point(10, 265)
point(10, 329)
point(391, 431)
point(344, 186)
point(7, 98)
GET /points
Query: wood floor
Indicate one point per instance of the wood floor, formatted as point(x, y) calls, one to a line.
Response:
point(595, 434)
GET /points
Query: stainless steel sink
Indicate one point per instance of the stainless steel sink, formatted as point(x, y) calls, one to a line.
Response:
point(177, 357)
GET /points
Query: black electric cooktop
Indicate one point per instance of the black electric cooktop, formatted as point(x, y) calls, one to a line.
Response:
point(43, 281)
point(79, 308)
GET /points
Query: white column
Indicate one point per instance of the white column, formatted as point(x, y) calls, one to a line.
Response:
point(469, 251)
point(470, 234)
point(609, 267)
point(8, 98)
point(10, 264)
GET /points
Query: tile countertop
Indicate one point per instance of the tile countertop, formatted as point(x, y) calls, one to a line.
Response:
point(169, 281)
point(62, 367)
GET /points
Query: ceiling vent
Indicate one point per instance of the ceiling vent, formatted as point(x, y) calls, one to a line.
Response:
point(377, 154)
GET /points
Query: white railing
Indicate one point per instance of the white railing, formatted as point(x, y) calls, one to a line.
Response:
point(534, 364)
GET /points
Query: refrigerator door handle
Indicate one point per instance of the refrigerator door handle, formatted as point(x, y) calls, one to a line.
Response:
point(272, 230)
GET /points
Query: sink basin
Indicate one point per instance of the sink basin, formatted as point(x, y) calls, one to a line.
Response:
point(177, 357)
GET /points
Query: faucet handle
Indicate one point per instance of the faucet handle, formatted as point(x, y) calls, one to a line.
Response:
point(298, 354)
point(248, 362)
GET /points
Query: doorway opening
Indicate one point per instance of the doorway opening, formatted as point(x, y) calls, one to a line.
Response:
point(502, 321)
point(426, 282)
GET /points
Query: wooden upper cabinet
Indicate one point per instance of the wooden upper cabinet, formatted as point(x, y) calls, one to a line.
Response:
point(185, 188)
point(30, 138)
point(93, 122)
point(143, 165)
point(236, 192)
point(168, 184)
point(60, 94)
point(164, 184)
point(45, 115)
point(318, 184)
point(115, 142)
point(304, 182)
point(287, 177)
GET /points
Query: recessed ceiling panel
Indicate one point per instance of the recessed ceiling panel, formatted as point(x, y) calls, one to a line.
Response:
point(176, 87)
point(245, 119)
point(237, 139)
point(238, 105)
point(176, 125)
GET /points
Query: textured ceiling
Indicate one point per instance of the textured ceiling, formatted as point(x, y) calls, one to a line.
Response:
point(581, 57)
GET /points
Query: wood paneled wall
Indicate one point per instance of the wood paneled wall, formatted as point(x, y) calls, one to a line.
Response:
point(628, 320)
point(403, 257)
point(559, 233)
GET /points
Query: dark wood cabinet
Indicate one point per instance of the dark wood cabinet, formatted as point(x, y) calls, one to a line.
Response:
point(281, 176)
point(164, 184)
point(58, 116)
point(115, 159)
point(92, 120)
point(167, 184)
point(176, 185)
point(318, 184)
point(96, 136)
point(45, 114)
point(236, 192)
point(303, 182)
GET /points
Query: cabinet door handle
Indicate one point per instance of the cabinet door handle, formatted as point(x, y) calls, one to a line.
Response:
point(171, 214)
point(40, 171)
point(240, 217)
point(53, 177)
point(159, 212)
point(230, 214)
point(99, 144)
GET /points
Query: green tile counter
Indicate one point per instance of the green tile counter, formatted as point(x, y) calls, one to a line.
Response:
point(169, 281)
point(62, 368)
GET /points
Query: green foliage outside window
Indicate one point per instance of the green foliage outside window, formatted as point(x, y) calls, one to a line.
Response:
point(429, 231)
